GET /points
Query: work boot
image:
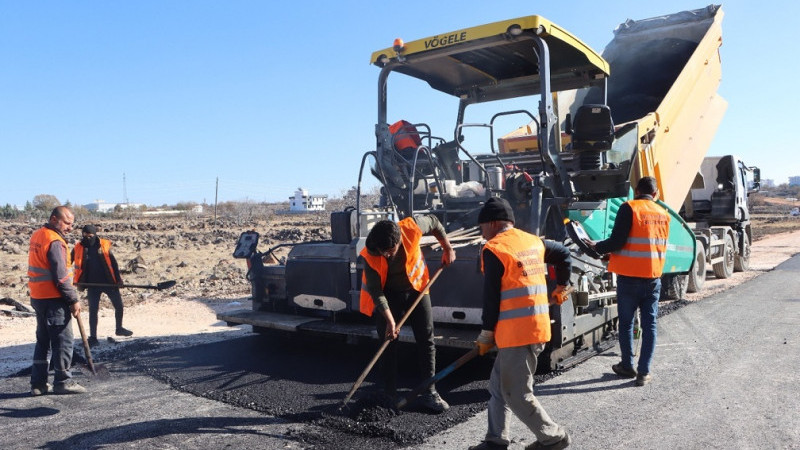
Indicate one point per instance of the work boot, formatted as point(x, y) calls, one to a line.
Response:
point(69, 388)
point(41, 390)
point(434, 402)
point(557, 445)
point(93, 341)
point(488, 445)
point(124, 332)
point(643, 378)
point(624, 372)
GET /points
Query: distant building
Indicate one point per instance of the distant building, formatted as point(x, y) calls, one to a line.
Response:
point(302, 202)
point(767, 183)
point(106, 207)
point(794, 181)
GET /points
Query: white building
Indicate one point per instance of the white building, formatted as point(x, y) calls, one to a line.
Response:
point(302, 202)
point(105, 207)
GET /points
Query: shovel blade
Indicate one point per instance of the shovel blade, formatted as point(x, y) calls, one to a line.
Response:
point(100, 372)
point(165, 284)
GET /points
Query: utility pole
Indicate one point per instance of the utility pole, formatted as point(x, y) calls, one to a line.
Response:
point(125, 201)
point(216, 192)
point(124, 189)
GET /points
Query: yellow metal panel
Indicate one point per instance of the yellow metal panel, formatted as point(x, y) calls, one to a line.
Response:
point(686, 121)
point(530, 23)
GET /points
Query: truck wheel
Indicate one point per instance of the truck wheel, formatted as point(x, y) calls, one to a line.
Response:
point(697, 277)
point(673, 286)
point(741, 263)
point(724, 269)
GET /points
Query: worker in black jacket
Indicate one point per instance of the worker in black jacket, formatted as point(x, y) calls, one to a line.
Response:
point(95, 264)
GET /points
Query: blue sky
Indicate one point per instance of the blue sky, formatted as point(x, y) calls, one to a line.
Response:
point(270, 96)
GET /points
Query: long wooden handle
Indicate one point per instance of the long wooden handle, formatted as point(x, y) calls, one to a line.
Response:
point(386, 342)
point(86, 350)
point(442, 373)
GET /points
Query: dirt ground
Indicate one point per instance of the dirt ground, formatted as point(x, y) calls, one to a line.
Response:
point(198, 256)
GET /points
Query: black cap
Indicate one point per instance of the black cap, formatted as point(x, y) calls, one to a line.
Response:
point(496, 208)
point(89, 229)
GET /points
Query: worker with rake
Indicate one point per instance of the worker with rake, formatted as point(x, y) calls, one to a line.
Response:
point(394, 276)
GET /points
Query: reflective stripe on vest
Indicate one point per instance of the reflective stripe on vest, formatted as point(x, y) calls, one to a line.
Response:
point(40, 278)
point(645, 249)
point(105, 249)
point(524, 316)
point(416, 269)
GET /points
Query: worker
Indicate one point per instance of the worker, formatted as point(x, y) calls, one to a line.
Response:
point(394, 276)
point(95, 265)
point(637, 246)
point(55, 301)
point(516, 320)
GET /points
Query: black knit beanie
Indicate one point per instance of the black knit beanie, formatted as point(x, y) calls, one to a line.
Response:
point(90, 229)
point(496, 208)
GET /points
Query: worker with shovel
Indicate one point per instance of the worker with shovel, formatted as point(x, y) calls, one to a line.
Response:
point(516, 318)
point(394, 275)
point(55, 301)
point(95, 264)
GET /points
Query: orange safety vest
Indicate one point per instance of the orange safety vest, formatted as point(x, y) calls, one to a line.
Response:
point(105, 249)
point(643, 254)
point(416, 270)
point(524, 309)
point(40, 278)
point(405, 135)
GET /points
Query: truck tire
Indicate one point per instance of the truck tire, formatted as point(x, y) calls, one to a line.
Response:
point(697, 277)
point(741, 263)
point(673, 286)
point(724, 269)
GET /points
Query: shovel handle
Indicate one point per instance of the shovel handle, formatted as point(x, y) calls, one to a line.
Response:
point(86, 350)
point(160, 286)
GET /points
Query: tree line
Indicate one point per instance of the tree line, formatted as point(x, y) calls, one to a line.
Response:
point(42, 204)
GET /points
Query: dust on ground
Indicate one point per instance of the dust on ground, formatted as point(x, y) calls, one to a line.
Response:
point(198, 255)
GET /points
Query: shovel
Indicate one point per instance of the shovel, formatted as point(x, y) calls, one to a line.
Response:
point(160, 286)
point(95, 370)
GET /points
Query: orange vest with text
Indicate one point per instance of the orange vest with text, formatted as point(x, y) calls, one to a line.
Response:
point(416, 270)
point(643, 254)
point(524, 309)
point(40, 279)
point(105, 248)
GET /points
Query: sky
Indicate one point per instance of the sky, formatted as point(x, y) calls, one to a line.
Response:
point(160, 102)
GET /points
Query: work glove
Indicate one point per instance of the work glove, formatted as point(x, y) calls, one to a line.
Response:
point(485, 342)
point(560, 294)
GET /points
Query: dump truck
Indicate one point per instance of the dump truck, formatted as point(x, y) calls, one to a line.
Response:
point(564, 175)
point(717, 209)
point(677, 110)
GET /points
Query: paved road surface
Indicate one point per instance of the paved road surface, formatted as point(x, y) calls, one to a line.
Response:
point(725, 377)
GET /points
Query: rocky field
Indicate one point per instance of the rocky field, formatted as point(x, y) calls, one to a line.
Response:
point(193, 251)
point(198, 255)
